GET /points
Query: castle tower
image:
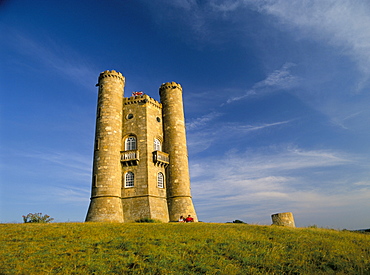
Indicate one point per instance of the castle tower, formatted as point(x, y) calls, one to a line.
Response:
point(140, 167)
point(106, 203)
point(178, 179)
point(144, 162)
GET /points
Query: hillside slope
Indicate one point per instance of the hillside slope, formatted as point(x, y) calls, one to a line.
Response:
point(199, 248)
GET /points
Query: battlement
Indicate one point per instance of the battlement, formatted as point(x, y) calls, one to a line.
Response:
point(170, 85)
point(141, 99)
point(112, 73)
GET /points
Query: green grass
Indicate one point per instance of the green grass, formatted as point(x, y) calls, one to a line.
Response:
point(178, 248)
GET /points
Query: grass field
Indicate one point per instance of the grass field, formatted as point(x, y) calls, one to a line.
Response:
point(177, 248)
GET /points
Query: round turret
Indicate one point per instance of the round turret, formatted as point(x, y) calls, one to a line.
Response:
point(178, 178)
point(106, 202)
point(113, 74)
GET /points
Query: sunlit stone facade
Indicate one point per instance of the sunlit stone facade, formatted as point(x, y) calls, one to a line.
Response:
point(140, 165)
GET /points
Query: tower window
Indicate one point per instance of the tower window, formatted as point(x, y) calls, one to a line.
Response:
point(95, 181)
point(160, 180)
point(129, 179)
point(97, 144)
point(130, 143)
point(157, 145)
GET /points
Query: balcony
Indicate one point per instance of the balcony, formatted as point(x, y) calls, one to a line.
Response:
point(130, 158)
point(161, 158)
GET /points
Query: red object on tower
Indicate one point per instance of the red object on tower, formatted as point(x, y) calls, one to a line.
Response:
point(137, 93)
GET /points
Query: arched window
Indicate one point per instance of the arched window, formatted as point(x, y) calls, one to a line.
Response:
point(129, 179)
point(130, 143)
point(160, 180)
point(157, 145)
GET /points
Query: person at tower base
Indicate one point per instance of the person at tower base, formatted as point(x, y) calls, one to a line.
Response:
point(189, 219)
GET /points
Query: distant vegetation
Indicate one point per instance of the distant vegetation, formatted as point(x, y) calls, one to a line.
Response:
point(37, 218)
point(148, 220)
point(180, 248)
point(238, 221)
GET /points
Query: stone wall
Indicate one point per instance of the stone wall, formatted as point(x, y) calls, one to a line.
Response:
point(142, 118)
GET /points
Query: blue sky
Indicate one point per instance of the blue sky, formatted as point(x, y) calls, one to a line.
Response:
point(276, 96)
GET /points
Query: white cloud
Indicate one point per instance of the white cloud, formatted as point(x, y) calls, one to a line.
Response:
point(252, 185)
point(183, 4)
point(210, 133)
point(249, 128)
point(70, 194)
point(225, 6)
point(362, 183)
point(277, 80)
point(202, 121)
point(281, 78)
point(275, 162)
point(341, 23)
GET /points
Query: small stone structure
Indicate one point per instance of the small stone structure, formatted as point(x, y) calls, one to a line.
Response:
point(283, 219)
point(140, 167)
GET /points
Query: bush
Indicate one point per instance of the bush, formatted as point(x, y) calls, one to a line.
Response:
point(37, 218)
point(313, 226)
point(147, 220)
point(238, 221)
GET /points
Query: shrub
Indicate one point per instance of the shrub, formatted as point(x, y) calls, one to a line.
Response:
point(238, 221)
point(313, 226)
point(37, 218)
point(146, 220)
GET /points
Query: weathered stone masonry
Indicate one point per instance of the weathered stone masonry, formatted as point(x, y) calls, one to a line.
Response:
point(140, 165)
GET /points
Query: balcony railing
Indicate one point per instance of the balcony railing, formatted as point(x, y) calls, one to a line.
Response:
point(161, 158)
point(129, 158)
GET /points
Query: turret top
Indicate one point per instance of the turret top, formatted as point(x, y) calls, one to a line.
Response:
point(170, 85)
point(112, 73)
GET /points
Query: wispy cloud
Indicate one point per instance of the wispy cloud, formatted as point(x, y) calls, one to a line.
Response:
point(236, 128)
point(70, 160)
point(252, 185)
point(342, 121)
point(343, 24)
point(277, 80)
point(204, 133)
point(183, 4)
point(50, 177)
point(202, 121)
point(61, 166)
point(55, 57)
point(276, 162)
point(71, 194)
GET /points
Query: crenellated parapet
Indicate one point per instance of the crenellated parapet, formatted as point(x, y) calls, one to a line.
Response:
point(113, 74)
point(141, 99)
point(170, 85)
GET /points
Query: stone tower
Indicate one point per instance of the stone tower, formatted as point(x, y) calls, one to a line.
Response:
point(106, 203)
point(140, 165)
point(178, 178)
point(143, 161)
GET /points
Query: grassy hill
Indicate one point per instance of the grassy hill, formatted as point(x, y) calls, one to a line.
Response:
point(177, 248)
